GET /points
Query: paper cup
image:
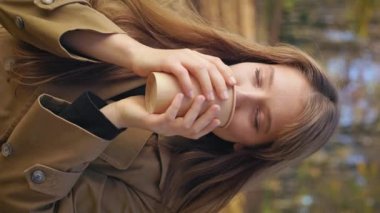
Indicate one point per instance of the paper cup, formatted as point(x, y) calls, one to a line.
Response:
point(161, 88)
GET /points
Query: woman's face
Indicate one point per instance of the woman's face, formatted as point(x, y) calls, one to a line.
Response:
point(268, 97)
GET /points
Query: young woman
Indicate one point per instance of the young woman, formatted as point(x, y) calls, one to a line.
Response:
point(65, 149)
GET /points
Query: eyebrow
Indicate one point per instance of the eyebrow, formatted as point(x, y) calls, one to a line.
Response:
point(269, 116)
point(271, 75)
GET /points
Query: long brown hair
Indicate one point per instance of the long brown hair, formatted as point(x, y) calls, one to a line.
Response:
point(203, 177)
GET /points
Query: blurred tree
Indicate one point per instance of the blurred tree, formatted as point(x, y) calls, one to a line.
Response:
point(236, 16)
point(363, 12)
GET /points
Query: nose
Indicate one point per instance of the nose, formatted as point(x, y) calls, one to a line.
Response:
point(251, 96)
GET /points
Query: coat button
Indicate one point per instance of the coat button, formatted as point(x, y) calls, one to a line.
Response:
point(38, 176)
point(6, 149)
point(20, 22)
point(47, 1)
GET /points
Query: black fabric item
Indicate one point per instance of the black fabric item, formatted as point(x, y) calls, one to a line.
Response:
point(85, 112)
point(136, 91)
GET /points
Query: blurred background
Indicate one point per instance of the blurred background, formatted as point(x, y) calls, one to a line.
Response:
point(344, 35)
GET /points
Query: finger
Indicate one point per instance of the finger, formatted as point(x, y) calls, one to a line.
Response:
point(218, 83)
point(183, 77)
point(174, 107)
point(210, 127)
point(225, 70)
point(194, 111)
point(206, 118)
point(197, 66)
point(205, 83)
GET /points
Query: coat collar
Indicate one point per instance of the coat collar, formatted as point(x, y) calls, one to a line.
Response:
point(126, 147)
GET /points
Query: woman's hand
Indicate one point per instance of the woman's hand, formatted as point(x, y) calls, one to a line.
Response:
point(211, 73)
point(131, 112)
point(122, 50)
point(192, 125)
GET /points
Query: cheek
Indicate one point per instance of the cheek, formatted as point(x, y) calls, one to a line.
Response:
point(241, 130)
point(240, 127)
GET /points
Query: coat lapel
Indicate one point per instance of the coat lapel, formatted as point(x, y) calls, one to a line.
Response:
point(125, 147)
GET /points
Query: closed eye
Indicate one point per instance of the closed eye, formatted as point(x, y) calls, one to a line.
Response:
point(258, 77)
point(257, 120)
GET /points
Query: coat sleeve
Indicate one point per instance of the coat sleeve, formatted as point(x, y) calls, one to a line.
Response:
point(44, 157)
point(42, 23)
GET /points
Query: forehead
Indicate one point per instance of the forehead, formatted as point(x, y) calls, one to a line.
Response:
point(289, 93)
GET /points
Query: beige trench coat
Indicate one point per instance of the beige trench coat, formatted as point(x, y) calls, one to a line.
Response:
point(48, 164)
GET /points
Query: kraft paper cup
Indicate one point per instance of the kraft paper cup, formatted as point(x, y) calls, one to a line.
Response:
point(161, 89)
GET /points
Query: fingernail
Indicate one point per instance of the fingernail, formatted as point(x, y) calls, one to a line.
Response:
point(225, 95)
point(190, 93)
point(210, 96)
point(217, 109)
point(232, 80)
point(217, 122)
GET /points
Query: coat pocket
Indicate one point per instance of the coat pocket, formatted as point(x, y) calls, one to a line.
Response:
point(54, 4)
point(50, 181)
